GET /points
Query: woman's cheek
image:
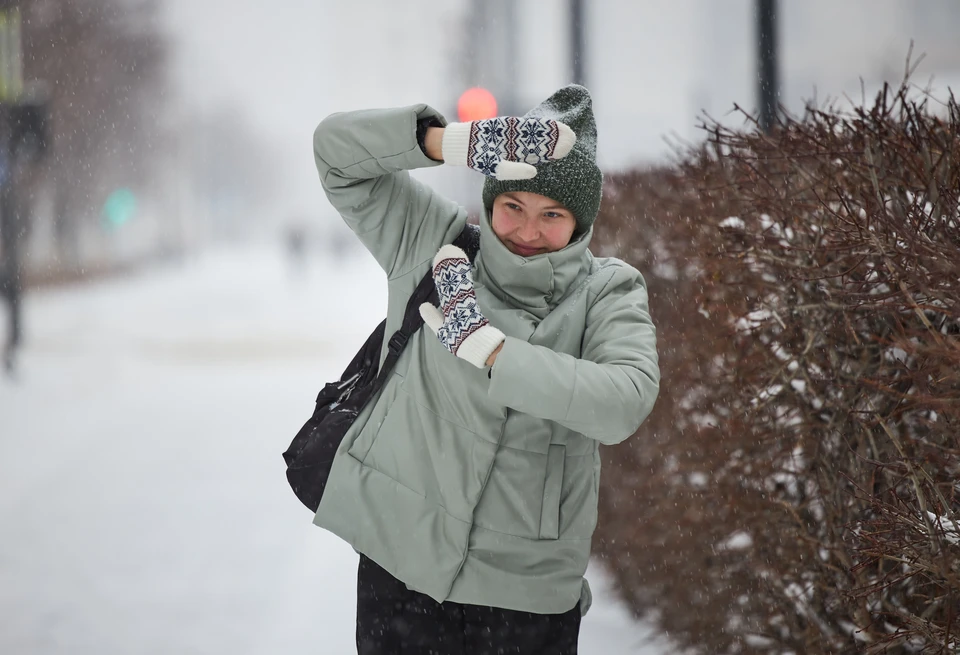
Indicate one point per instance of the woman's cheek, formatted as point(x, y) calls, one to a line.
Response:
point(504, 226)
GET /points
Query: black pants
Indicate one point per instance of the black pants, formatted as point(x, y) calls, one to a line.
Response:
point(392, 620)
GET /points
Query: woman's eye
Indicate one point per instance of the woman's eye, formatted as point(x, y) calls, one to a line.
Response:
point(512, 206)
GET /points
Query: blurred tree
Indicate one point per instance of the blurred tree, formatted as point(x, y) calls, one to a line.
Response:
point(105, 62)
point(233, 172)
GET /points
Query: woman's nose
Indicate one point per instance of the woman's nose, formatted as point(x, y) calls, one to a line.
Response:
point(528, 231)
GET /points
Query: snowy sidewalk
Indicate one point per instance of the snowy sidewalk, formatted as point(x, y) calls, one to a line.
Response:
point(143, 504)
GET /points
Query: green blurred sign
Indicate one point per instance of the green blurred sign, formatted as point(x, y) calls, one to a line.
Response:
point(11, 55)
point(120, 207)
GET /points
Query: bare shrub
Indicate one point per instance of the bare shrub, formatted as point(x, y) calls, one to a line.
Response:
point(796, 488)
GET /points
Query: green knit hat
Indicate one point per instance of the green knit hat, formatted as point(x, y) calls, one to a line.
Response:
point(574, 181)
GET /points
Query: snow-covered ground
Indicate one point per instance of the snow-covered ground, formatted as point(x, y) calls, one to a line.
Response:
point(143, 506)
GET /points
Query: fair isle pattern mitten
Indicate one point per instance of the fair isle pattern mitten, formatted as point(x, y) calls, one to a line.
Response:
point(507, 148)
point(458, 323)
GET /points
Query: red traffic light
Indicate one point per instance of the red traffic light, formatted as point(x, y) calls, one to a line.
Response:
point(476, 104)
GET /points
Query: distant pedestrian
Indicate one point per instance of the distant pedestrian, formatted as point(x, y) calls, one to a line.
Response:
point(21, 151)
point(295, 243)
point(15, 202)
point(469, 485)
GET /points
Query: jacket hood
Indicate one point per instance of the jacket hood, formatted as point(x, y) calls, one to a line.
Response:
point(536, 284)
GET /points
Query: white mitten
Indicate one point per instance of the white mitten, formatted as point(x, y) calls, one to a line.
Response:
point(458, 323)
point(507, 148)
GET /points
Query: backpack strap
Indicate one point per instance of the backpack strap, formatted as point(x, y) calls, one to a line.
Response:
point(469, 241)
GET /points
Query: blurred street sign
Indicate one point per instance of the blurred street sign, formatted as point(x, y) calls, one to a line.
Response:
point(11, 55)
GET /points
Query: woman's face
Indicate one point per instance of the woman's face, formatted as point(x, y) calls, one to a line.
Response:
point(529, 224)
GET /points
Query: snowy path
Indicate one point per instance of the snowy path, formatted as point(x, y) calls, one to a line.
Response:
point(143, 507)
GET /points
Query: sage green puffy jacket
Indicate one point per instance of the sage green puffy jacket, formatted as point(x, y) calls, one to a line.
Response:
point(472, 485)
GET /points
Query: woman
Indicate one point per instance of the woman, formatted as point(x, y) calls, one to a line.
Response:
point(469, 487)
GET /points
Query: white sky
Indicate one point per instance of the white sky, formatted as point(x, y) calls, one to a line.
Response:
point(289, 63)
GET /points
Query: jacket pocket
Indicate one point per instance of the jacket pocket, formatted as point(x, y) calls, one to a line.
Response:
point(431, 456)
point(552, 489)
point(361, 443)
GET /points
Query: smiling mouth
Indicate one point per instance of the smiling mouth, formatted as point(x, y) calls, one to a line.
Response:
point(523, 250)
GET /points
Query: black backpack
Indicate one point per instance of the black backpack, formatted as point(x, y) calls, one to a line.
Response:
point(310, 455)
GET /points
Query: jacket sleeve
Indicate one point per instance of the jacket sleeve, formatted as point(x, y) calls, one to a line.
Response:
point(611, 389)
point(363, 158)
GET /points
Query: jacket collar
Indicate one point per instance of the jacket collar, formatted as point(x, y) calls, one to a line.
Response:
point(536, 284)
